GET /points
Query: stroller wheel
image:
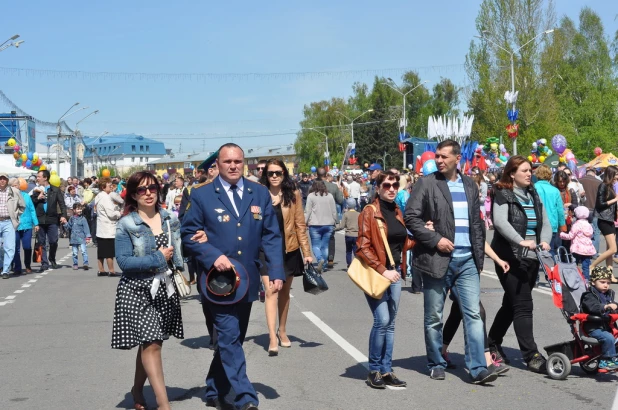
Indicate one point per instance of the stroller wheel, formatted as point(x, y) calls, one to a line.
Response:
point(590, 367)
point(558, 366)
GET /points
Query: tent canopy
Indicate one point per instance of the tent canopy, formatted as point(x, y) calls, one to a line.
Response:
point(603, 161)
point(16, 171)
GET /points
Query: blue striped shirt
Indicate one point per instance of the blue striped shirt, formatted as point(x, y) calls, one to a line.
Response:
point(463, 247)
point(528, 206)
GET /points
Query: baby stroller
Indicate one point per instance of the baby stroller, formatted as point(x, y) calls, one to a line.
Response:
point(568, 284)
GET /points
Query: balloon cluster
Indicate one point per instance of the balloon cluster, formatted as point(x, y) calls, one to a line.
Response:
point(540, 151)
point(426, 163)
point(495, 154)
point(512, 129)
point(28, 160)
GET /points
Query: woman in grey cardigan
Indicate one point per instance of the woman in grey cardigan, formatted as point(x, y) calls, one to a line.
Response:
point(321, 217)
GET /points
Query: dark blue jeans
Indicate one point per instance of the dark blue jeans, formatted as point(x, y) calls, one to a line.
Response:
point(22, 238)
point(48, 233)
point(585, 261)
point(350, 249)
point(608, 344)
point(382, 336)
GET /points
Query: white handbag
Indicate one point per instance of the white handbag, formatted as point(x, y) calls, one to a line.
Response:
point(182, 284)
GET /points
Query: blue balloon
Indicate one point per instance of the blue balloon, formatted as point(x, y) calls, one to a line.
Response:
point(28, 164)
point(313, 169)
point(30, 156)
point(429, 167)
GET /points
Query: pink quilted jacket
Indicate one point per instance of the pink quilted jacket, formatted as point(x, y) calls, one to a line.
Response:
point(581, 237)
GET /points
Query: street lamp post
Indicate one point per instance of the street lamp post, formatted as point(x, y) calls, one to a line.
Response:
point(15, 44)
point(327, 153)
point(352, 122)
point(73, 143)
point(404, 117)
point(512, 54)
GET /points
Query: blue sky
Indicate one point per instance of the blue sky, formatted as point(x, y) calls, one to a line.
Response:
point(227, 37)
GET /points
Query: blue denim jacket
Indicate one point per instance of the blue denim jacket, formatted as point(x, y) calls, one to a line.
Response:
point(28, 219)
point(78, 225)
point(136, 250)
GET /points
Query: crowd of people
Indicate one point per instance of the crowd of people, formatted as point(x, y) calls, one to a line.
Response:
point(269, 225)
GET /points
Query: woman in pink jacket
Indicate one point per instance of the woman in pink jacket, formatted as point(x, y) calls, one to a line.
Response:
point(580, 236)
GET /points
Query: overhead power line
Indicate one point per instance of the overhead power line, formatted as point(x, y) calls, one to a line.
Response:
point(205, 77)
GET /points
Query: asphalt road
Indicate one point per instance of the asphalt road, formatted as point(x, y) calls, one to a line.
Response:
point(55, 332)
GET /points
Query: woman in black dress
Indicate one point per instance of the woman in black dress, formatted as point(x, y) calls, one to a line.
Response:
point(288, 205)
point(147, 310)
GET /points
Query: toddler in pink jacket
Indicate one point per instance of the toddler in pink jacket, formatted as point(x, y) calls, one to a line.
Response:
point(581, 239)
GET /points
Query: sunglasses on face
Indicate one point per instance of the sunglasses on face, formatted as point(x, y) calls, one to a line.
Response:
point(274, 174)
point(388, 185)
point(261, 168)
point(141, 190)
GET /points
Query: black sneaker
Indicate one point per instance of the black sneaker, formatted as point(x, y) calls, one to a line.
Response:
point(437, 373)
point(498, 354)
point(498, 368)
point(43, 269)
point(537, 364)
point(485, 376)
point(374, 379)
point(54, 265)
point(391, 380)
point(102, 274)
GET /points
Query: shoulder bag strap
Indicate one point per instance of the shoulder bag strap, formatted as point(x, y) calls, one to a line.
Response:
point(382, 231)
point(169, 233)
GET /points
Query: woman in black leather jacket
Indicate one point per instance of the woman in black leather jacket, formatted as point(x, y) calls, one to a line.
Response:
point(605, 211)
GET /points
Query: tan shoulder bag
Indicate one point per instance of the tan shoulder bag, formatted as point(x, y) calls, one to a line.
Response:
point(368, 279)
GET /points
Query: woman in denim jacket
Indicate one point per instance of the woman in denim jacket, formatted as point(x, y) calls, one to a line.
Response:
point(147, 308)
point(23, 234)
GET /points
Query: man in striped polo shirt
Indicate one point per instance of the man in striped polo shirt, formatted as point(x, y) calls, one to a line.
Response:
point(449, 257)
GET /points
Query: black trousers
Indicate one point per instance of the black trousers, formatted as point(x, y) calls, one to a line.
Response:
point(454, 319)
point(331, 248)
point(516, 306)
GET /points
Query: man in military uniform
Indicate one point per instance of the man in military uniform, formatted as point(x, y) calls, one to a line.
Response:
point(238, 218)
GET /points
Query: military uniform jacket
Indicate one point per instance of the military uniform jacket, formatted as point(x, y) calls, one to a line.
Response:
point(238, 237)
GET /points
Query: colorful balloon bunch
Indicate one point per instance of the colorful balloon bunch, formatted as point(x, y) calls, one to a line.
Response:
point(495, 154)
point(540, 151)
point(512, 129)
point(28, 160)
point(559, 144)
point(426, 163)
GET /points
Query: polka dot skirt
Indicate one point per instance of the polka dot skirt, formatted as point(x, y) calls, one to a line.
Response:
point(138, 318)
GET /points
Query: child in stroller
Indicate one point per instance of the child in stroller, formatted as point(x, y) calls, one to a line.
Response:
point(599, 301)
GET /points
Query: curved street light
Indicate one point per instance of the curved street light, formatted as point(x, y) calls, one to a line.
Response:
point(16, 44)
point(486, 37)
point(352, 120)
point(394, 87)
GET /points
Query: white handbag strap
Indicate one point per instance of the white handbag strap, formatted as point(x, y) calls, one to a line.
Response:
point(169, 233)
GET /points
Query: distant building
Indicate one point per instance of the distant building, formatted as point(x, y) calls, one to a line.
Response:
point(286, 153)
point(120, 151)
point(185, 164)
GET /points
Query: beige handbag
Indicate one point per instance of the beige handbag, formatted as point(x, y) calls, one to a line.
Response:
point(368, 279)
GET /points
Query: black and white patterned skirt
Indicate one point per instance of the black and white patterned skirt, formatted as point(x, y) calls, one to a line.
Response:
point(139, 319)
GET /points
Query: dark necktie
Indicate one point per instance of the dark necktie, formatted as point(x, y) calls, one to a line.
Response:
point(236, 197)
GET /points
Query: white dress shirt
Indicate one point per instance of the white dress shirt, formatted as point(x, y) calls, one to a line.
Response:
point(230, 193)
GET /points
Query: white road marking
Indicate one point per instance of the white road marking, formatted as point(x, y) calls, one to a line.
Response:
point(344, 344)
point(32, 281)
point(25, 285)
point(11, 297)
point(39, 276)
point(3, 303)
point(19, 291)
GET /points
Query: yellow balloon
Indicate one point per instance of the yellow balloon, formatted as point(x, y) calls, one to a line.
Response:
point(42, 168)
point(24, 157)
point(542, 158)
point(530, 158)
point(54, 180)
point(11, 142)
point(35, 157)
point(53, 172)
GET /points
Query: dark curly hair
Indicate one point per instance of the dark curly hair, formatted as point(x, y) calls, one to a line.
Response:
point(288, 188)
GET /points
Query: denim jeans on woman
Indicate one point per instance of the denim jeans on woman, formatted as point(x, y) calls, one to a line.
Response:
point(382, 336)
point(462, 277)
point(320, 236)
point(22, 238)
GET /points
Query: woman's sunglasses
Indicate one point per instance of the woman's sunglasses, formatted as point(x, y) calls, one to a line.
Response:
point(388, 185)
point(141, 190)
point(274, 174)
point(261, 168)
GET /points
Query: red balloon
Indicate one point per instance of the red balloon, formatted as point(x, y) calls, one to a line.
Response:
point(427, 156)
point(598, 151)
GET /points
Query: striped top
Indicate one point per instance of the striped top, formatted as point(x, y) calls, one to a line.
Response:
point(526, 202)
point(463, 247)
